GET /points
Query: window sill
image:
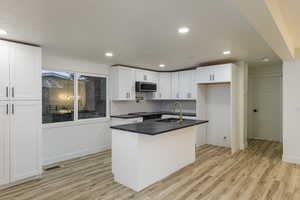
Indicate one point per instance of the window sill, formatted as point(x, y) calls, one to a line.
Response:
point(75, 123)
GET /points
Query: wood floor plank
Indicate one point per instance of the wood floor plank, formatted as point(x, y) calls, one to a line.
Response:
point(256, 173)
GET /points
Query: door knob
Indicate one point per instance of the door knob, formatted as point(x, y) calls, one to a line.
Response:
point(255, 110)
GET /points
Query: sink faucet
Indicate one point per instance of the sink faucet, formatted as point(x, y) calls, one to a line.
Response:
point(179, 105)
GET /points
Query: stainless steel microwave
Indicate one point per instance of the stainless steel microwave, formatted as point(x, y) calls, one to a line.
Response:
point(145, 87)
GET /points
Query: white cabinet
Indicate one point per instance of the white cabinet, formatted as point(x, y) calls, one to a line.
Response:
point(4, 70)
point(25, 131)
point(20, 72)
point(25, 72)
point(20, 112)
point(187, 84)
point(214, 74)
point(4, 143)
point(146, 76)
point(175, 86)
point(163, 86)
point(123, 83)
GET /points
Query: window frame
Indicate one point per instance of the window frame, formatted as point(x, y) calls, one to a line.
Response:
point(77, 121)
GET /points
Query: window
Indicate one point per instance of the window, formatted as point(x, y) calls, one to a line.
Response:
point(60, 96)
point(91, 97)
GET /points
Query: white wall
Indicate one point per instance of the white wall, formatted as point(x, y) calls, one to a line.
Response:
point(74, 139)
point(291, 111)
point(260, 74)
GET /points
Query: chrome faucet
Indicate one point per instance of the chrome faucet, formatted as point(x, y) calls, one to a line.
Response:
point(179, 105)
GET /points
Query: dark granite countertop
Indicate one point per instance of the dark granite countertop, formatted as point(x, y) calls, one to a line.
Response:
point(156, 127)
point(131, 116)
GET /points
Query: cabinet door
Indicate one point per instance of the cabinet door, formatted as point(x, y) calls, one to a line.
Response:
point(26, 73)
point(204, 75)
point(222, 73)
point(194, 86)
point(126, 83)
point(141, 75)
point(25, 139)
point(4, 143)
point(152, 77)
point(175, 85)
point(165, 85)
point(4, 70)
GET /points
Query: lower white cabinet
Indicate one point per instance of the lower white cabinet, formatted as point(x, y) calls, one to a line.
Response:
point(21, 138)
point(4, 144)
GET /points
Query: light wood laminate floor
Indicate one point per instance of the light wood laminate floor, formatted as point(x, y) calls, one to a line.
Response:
point(257, 173)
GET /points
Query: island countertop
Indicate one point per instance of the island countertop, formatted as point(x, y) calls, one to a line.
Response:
point(142, 114)
point(156, 127)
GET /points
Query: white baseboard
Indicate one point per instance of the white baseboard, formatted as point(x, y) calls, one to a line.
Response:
point(291, 159)
point(72, 155)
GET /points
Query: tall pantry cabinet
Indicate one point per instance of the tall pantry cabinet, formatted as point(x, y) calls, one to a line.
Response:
point(20, 112)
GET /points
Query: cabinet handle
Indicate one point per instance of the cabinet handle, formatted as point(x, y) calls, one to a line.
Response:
point(7, 91)
point(13, 108)
point(13, 91)
point(7, 109)
point(213, 77)
point(210, 77)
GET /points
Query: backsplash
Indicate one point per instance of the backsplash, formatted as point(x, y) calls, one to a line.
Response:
point(187, 106)
point(124, 107)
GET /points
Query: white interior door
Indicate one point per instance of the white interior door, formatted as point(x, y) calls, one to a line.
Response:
point(4, 71)
point(26, 73)
point(267, 108)
point(4, 143)
point(25, 139)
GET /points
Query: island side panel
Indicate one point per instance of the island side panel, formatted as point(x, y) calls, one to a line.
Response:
point(164, 154)
point(125, 158)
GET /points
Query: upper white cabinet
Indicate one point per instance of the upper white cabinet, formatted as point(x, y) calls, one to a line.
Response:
point(25, 72)
point(20, 72)
point(187, 84)
point(4, 70)
point(146, 76)
point(164, 85)
point(175, 85)
point(214, 74)
point(123, 83)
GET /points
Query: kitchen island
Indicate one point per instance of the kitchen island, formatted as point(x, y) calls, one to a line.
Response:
point(146, 152)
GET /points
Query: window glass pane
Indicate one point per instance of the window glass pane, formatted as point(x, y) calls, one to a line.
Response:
point(58, 96)
point(91, 97)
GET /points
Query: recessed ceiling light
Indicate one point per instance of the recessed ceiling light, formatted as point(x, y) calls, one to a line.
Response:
point(109, 54)
point(183, 30)
point(226, 52)
point(162, 65)
point(3, 32)
point(265, 59)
